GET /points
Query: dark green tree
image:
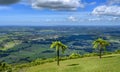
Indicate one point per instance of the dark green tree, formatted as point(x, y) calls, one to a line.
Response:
point(58, 45)
point(100, 44)
point(4, 67)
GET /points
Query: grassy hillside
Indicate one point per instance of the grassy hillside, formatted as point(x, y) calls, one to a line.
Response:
point(109, 63)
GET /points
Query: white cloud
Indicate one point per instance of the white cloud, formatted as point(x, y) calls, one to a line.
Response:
point(104, 19)
point(94, 19)
point(57, 4)
point(72, 18)
point(111, 2)
point(107, 10)
point(114, 19)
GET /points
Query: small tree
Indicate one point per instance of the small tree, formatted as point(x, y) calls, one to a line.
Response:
point(100, 44)
point(4, 67)
point(74, 55)
point(58, 45)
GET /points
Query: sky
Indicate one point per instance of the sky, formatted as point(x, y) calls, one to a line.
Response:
point(59, 12)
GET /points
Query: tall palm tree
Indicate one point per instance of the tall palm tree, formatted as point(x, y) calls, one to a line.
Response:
point(100, 44)
point(58, 45)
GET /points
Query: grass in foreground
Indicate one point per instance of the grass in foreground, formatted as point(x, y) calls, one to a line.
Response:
point(109, 63)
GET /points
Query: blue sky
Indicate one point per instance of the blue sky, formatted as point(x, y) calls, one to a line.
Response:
point(60, 12)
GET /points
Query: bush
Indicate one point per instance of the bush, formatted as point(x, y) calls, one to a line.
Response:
point(90, 54)
point(74, 55)
point(64, 58)
point(49, 60)
point(117, 51)
point(4, 67)
point(106, 53)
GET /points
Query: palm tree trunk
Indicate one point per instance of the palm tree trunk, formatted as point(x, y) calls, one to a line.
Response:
point(100, 56)
point(58, 57)
point(100, 52)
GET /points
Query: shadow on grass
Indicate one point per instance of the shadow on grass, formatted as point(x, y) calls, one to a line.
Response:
point(108, 56)
point(72, 64)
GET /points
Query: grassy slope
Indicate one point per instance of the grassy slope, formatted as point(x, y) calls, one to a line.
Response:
point(109, 63)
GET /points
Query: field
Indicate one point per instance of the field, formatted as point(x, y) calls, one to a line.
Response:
point(109, 63)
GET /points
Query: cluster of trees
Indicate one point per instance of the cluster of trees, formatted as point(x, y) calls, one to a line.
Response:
point(99, 44)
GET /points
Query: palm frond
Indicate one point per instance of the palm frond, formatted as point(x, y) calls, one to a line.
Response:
point(100, 42)
point(53, 45)
point(64, 47)
point(58, 45)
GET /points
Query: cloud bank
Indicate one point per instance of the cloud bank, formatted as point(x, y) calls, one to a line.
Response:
point(57, 4)
point(107, 10)
point(7, 2)
point(111, 8)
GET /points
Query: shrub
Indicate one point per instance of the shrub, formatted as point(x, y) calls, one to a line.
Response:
point(90, 54)
point(74, 55)
point(4, 67)
point(64, 58)
point(117, 51)
point(49, 60)
point(106, 53)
